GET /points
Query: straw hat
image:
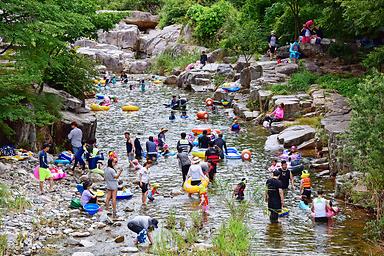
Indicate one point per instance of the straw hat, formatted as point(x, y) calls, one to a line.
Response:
point(195, 160)
point(163, 130)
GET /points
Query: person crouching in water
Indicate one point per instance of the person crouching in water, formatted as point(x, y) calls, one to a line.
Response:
point(203, 198)
point(153, 192)
point(172, 117)
point(239, 189)
point(87, 197)
point(143, 226)
point(235, 126)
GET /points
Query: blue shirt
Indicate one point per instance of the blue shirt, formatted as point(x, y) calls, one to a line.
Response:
point(43, 162)
point(151, 147)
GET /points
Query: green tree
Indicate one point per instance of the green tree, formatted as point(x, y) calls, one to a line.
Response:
point(366, 135)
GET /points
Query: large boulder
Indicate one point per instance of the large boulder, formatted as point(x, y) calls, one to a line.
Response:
point(296, 135)
point(250, 73)
point(188, 78)
point(143, 20)
point(157, 41)
point(272, 144)
point(85, 43)
point(215, 55)
point(123, 36)
point(136, 66)
point(70, 103)
point(171, 80)
point(287, 68)
point(291, 104)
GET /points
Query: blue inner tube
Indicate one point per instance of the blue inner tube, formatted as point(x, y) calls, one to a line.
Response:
point(124, 195)
point(233, 153)
point(145, 154)
point(62, 161)
point(65, 156)
point(99, 96)
point(231, 89)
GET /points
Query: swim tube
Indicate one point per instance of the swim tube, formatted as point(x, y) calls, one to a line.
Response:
point(199, 130)
point(194, 189)
point(130, 108)
point(96, 107)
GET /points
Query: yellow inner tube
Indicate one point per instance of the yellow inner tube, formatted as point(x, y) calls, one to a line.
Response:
point(199, 153)
point(157, 82)
point(96, 107)
point(98, 193)
point(130, 108)
point(194, 189)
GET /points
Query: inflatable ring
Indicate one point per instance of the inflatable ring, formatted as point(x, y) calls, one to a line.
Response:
point(209, 102)
point(217, 131)
point(62, 161)
point(96, 107)
point(99, 96)
point(246, 155)
point(124, 194)
point(98, 193)
point(96, 81)
point(157, 82)
point(194, 189)
point(202, 115)
point(199, 152)
point(198, 131)
point(57, 173)
point(130, 108)
point(66, 155)
point(233, 153)
point(283, 212)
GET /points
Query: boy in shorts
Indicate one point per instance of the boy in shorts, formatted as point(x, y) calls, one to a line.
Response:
point(44, 172)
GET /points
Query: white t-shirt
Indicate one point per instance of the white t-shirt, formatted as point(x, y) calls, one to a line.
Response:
point(272, 41)
point(144, 175)
point(195, 172)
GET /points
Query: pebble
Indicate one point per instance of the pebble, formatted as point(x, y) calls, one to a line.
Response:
point(83, 254)
point(67, 231)
point(127, 209)
point(80, 234)
point(119, 239)
point(100, 225)
point(86, 243)
point(129, 250)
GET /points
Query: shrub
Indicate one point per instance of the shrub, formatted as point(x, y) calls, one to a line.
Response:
point(375, 59)
point(299, 82)
point(166, 62)
point(3, 244)
point(207, 21)
point(174, 11)
point(141, 5)
point(345, 85)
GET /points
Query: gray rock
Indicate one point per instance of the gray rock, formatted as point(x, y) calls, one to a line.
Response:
point(310, 144)
point(250, 115)
point(171, 80)
point(295, 135)
point(322, 166)
point(157, 41)
point(85, 43)
point(123, 36)
point(136, 66)
point(83, 254)
point(70, 103)
point(272, 144)
point(323, 173)
point(129, 250)
point(291, 104)
point(250, 73)
point(86, 243)
point(277, 127)
point(287, 68)
point(80, 234)
point(215, 55)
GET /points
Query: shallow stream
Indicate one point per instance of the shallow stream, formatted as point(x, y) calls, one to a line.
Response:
point(296, 235)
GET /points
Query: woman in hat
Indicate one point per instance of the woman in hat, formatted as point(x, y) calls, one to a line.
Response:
point(161, 138)
point(195, 172)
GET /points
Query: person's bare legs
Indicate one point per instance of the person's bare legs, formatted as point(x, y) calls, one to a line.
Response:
point(144, 198)
point(107, 199)
point(51, 184)
point(41, 185)
point(114, 194)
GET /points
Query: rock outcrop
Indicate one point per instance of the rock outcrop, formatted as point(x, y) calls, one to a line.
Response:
point(296, 135)
point(143, 20)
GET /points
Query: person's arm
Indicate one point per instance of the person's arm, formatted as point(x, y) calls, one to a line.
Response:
point(201, 200)
point(146, 147)
point(312, 208)
point(202, 174)
point(266, 194)
point(281, 192)
point(140, 178)
point(225, 147)
point(133, 147)
point(199, 142)
point(150, 238)
point(178, 145)
point(190, 147)
point(189, 173)
point(292, 181)
point(118, 174)
point(70, 135)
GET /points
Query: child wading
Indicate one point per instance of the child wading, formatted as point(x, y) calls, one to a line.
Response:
point(203, 198)
point(305, 184)
point(44, 172)
point(239, 190)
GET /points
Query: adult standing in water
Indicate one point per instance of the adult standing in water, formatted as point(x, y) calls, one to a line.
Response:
point(161, 138)
point(111, 177)
point(76, 137)
point(274, 196)
point(184, 162)
point(184, 144)
point(138, 148)
point(212, 156)
point(151, 149)
point(204, 140)
point(144, 181)
point(319, 208)
point(130, 148)
point(220, 142)
point(286, 176)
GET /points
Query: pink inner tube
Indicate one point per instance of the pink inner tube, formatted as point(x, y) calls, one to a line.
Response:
point(57, 173)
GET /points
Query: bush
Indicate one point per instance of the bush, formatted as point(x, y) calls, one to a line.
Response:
point(374, 229)
point(3, 244)
point(299, 82)
point(166, 62)
point(207, 21)
point(174, 11)
point(141, 5)
point(375, 59)
point(345, 85)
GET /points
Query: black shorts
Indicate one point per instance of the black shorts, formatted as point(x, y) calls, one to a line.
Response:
point(321, 219)
point(144, 187)
point(307, 192)
point(195, 182)
point(272, 49)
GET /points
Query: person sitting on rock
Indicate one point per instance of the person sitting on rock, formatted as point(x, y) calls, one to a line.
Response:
point(294, 53)
point(276, 116)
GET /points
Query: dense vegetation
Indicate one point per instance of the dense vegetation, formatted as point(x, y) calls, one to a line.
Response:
point(37, 36)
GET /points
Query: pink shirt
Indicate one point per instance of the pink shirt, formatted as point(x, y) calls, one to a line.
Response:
point(279, 113)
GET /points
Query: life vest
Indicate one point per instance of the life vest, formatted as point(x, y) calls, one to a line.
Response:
point(306, 182)
point(184, 145)
point(214, 158)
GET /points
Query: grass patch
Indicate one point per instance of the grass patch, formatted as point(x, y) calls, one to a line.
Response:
point(166, 62)
point(8, 202)
point(311, 121)
point(302, 81)
point(3, 244)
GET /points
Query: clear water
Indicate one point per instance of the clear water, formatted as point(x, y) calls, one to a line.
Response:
point(295, 236)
